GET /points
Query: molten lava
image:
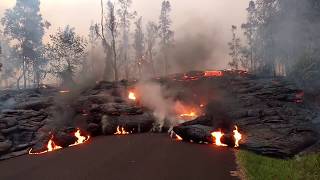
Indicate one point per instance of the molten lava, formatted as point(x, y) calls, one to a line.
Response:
point(132, 96)
point(51, 146)
point(217, 138)
point(121, 131)
point(237, 136)
point(213, 73)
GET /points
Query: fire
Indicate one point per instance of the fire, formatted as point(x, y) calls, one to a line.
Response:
point(80, 139)
point(213, 74)
point(64, 91)
point(132, 96)
point(121, 131)
point(51, 146)
point(237, 136)
point(191, 114)
point(217, 137)
point(179, 137)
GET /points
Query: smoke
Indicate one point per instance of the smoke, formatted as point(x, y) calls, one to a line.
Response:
point(153, 97)
point(198, 46)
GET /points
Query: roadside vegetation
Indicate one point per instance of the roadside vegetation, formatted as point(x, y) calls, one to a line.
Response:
point(257, 167)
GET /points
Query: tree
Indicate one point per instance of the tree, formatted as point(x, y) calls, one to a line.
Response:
point(125, 16)
point(109, 45)
point(139, 45)
point(112, 25)
point(234, 47)
point(25, 27)
point(9, 68)
point(66, 52)
point(250, 28)
point(151, 39)
point(165, 33)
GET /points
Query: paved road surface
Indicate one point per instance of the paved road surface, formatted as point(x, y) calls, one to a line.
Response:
point(135, 157)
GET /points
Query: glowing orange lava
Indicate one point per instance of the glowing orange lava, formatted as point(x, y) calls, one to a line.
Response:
point(51, 146)
point(213, 73)
point(121, 131)
point(237, 136)
point(132, 96)
point(217, 138)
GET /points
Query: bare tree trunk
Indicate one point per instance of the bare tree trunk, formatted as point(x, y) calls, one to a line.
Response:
point(24, 73)
point(115, 64)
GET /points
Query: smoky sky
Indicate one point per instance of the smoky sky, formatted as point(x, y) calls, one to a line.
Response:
point(215, 15)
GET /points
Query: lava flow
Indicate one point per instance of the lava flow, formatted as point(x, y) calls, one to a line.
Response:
point(121, 131)
point(213, 73)
point(51, 145)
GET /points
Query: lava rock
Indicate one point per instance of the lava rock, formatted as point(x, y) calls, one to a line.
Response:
point(94, 129)
point(64, 139)
point(5, 146)
point(195, 133)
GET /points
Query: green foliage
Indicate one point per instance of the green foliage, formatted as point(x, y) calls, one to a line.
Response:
point(258, 167)
point(65, 52)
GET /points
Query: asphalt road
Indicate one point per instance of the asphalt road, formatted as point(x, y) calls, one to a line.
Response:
point(134, 157)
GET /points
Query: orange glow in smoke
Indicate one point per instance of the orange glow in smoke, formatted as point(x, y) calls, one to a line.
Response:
point(191, 115)
point(217, 138)
point(132, 96)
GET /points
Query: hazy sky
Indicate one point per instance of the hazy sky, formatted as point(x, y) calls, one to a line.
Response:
point(216, 14)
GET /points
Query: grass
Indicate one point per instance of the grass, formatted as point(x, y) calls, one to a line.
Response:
point(258, 167)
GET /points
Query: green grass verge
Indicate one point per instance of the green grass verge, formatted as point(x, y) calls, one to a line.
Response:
point(258, 167)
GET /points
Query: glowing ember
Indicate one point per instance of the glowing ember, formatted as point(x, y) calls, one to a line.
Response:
point(213, 74)
point(132, 96)
point(121, 131)
point(237, 136)
point(51, 146)
point(217, 137)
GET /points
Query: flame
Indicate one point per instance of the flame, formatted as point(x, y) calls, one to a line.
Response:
point(237, 136)
point(80, 139)
point(179, 138)
point(132, 96)
point(121, 131)
point(64, 91)
point(213, 74)
point(51, 146)
point(217, 137)
point(191, 114)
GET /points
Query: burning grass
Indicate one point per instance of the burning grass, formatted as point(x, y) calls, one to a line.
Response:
point(258, 167)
